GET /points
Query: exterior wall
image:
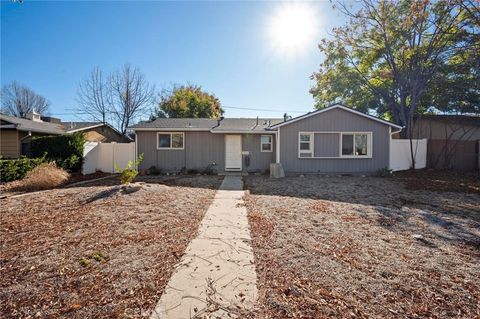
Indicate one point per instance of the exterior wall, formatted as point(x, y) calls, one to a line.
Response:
point(103, 134)
point(259, 161)
point(200, 150)
point(335, 120)
point(9, 144)
point(437, 130)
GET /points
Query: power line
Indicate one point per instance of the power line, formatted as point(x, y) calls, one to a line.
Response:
point(262, 110)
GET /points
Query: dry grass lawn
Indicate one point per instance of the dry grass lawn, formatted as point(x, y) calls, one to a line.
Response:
point(89, 252)
point(365, 247)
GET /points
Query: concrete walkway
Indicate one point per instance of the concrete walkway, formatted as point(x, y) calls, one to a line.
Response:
point(216, 277)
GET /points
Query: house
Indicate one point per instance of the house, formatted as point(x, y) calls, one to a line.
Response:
point(16, 133)
point(335, 139)
point(453, 140)
point(96, 131)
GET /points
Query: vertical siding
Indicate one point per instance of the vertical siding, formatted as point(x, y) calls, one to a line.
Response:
point(9, 144)
point(335, 120)
point(258, 160)
point(204, 148)
point(200, 149)
point(327, 145)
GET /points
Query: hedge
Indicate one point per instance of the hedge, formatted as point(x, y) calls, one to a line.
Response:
point(65, 150)
point(13, 169)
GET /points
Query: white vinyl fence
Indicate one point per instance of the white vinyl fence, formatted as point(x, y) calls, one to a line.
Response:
point(104, 156)
point(401, 158)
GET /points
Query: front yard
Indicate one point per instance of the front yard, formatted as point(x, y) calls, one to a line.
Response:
point(364, 247)
point(88, 252)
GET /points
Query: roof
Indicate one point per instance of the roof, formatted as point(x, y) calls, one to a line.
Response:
point(233, 125)
point(453, 118)
point(332, 107)
point(27, 125)
point(74, 126)
point(245, 125)
point(192, 124)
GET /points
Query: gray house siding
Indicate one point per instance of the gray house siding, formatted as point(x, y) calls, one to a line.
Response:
point(259, 160)
point(200, 150)
point(335, 120)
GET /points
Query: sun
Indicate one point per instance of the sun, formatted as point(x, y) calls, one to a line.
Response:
point(292, 28)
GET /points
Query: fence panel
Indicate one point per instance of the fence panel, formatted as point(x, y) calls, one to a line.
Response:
point(454, 154)
point(400, 156)
point(104, 156)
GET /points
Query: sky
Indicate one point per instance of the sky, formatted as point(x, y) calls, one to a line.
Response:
point(228, 48)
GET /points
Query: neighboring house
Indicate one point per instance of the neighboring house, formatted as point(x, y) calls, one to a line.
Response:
point(96, 131)
point(16, 133)
point(335, 139)
point(453, 140)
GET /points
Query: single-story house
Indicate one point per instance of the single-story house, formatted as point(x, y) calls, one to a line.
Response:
point(336, 139)
point(16, 133)
point(96, 131)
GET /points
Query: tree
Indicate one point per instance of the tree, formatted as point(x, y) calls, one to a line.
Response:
point(92, 96)
point(189, 101)
point(391, 53)
point(130, 95)
point(18, 100)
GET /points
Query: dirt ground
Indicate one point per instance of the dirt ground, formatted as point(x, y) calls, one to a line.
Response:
point(441, 180)
point(90, 252)
point(340, 247)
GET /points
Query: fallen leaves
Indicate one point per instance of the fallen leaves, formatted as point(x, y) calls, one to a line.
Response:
point(108, 258)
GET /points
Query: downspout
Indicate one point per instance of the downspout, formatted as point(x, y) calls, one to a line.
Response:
point(277, 157)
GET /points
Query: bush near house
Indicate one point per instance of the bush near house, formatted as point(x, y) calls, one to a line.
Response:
point(65, 150)
point(13, 169)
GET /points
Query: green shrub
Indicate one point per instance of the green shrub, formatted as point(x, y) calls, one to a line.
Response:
point(65, 150)
point(129, 173)
point(13, 169)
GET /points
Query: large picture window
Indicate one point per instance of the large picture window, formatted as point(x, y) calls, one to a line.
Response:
point(355, 145)
point(170, 141)
point(266, 143)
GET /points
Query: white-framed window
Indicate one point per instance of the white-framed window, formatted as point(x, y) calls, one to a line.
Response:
point(356, 144)
point(266, 143)
point(305, 144)
point(170, 140)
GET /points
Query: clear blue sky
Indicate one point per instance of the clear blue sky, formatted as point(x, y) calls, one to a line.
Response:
point(222, 46)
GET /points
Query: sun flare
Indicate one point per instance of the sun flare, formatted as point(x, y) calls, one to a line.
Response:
point(292, 28)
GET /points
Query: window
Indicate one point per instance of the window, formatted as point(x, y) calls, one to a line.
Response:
point(356, 144)
point(169, 141)
point(305, 145)
point(266, 143)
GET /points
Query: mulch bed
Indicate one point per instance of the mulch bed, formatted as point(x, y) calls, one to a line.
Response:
point(363, 247)
point(441, 180)
point(91, 252)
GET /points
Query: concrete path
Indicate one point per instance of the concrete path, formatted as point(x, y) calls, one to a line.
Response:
point(216, 276)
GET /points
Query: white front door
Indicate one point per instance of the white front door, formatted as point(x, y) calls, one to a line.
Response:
point(233, 152)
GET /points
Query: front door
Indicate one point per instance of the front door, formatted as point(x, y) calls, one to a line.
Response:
point(233, 152)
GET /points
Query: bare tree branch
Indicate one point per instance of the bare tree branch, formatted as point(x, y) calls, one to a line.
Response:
point(18, 100)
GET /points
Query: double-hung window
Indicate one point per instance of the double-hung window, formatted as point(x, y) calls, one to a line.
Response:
point(356, 145)
point(266, 143)
point(170, 141)
point(305, 145)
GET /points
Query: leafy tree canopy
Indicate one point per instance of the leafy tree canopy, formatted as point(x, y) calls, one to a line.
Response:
point(189, 101)
point(401, 58)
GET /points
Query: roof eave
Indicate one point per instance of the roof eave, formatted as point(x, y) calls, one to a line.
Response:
point(373, 118)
